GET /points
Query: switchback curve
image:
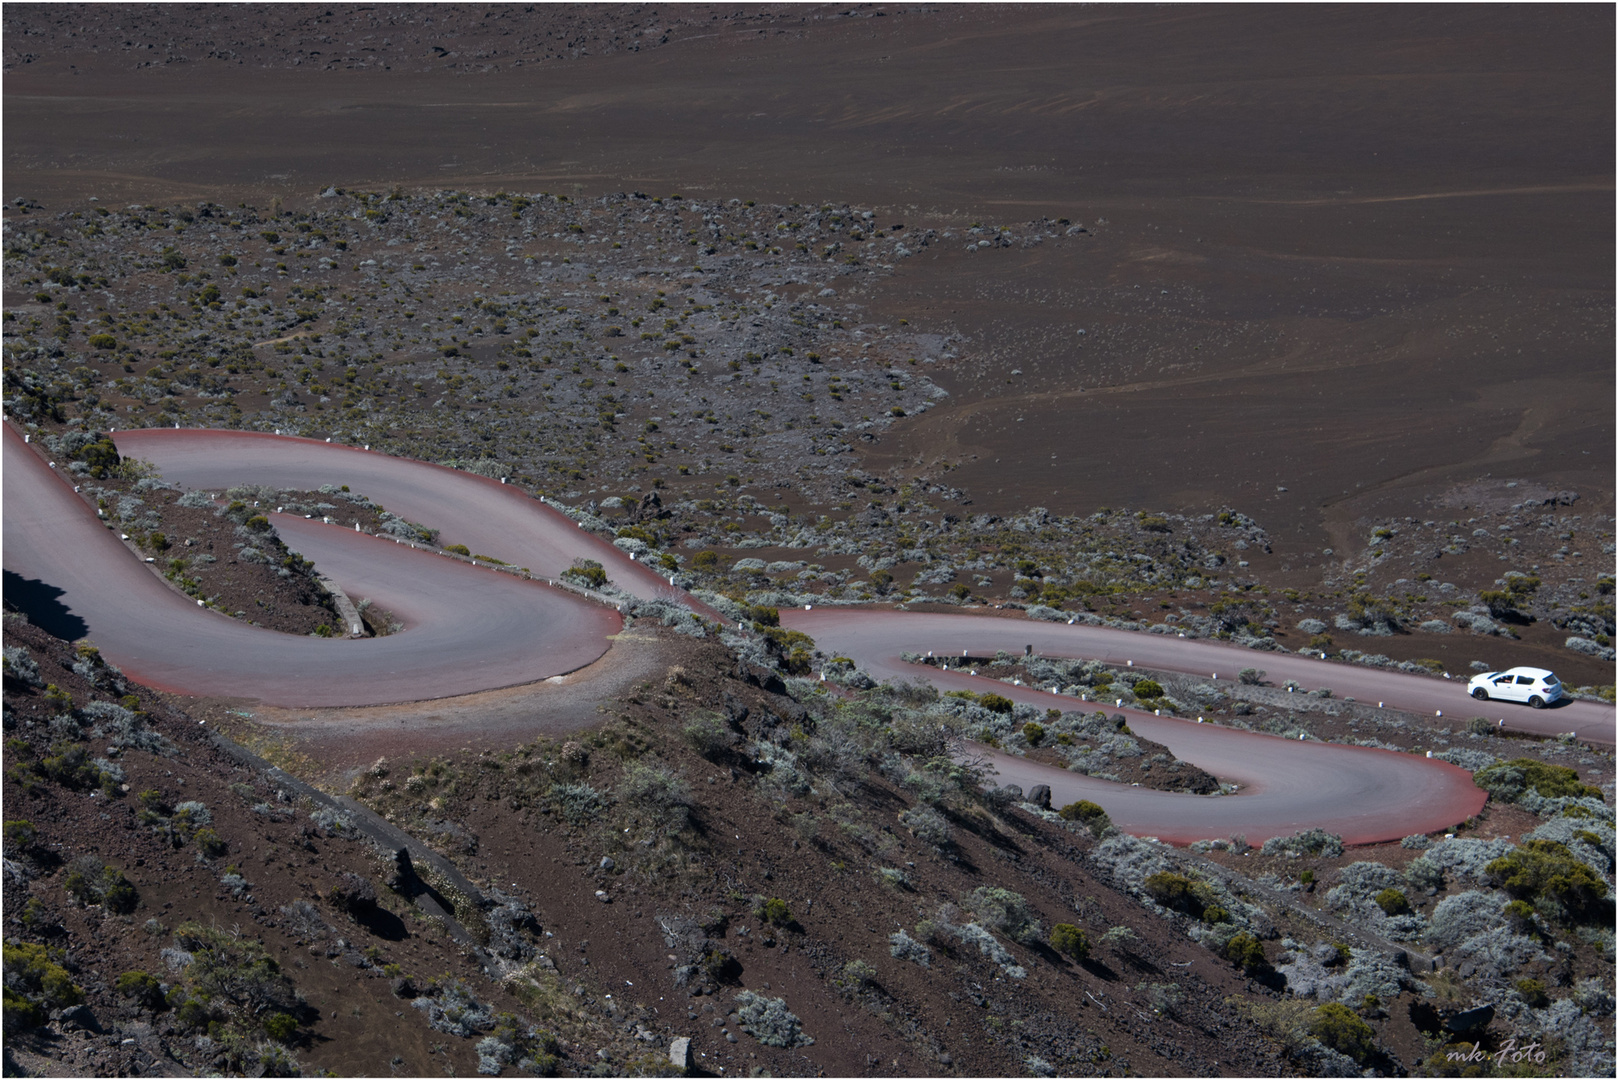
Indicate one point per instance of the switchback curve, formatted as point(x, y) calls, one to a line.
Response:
point(470, 628)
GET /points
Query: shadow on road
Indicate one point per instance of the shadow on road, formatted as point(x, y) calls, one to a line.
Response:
point(40, 603)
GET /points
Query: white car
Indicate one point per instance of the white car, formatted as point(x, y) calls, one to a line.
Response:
point(1536, 686)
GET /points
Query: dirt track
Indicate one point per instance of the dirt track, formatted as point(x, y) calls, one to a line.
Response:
point(476, 629)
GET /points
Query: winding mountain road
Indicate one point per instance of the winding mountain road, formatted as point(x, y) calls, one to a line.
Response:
point(471, 628)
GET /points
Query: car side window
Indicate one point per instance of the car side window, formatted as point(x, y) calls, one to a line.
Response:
point(1524, 680)
point(1504, 680)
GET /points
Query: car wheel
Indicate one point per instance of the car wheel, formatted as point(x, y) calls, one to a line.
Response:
point(1481, 694)
point(1537, 702)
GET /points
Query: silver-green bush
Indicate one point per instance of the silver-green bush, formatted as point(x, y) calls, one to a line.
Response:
point(770, 1021)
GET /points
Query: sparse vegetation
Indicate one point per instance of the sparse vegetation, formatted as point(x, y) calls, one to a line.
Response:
point(1509, 780)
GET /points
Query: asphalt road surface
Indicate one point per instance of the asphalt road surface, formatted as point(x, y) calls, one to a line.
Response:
point(876, 638)
point(471, 628)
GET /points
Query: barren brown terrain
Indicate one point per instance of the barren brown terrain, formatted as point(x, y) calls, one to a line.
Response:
point(1359, 254)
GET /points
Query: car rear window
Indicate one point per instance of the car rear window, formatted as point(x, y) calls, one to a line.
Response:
point(1552, 680)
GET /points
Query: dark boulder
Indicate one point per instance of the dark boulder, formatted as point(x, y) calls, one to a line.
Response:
point(1470, 1020)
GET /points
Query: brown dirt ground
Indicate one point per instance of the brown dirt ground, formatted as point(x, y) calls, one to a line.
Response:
point(959, 1017)
point(1307, 270)
point(273, 851)
point(200, 556)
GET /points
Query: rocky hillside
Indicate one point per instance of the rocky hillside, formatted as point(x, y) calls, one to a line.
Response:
point(795, 877)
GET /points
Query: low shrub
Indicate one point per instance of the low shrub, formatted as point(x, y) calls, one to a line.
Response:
point(1315, 841)
point(21, 836)
point(927, 825)
point(90, 881)
point(1148, 690)
point(1466, 858)
point(1339, 1029)
point(770, 1021)
point(1496, 954)
point(1179, 893)
point(1286, 1021)
point(1462, 916)
point(657, 793)
point(996, 704)
point(708, 734)
point(281, 1027)
point(775, 910)
point(1393, 902)
point(21, 667)
point(1088, 814)
point(1520, 913)
point(1546, 873)
point(141, 988)
point(35, 984)
point(1533, 992)
point(70, 765)
point(586, 572)
point(1004, 910)
point(532, 1050)
point(577, 803)
point(990, 947)
point(1165, 998)
point(857, 974)
point(1083, 810)
point(1245, 951)
point(1509, 780)
point(1422, 874)
point(303, 919)
point(455, 1011)
point(901, 946)
point(1070, 940)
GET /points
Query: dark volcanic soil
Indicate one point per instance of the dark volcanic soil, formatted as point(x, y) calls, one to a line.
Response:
point(1334, 250)
point(226, 556)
